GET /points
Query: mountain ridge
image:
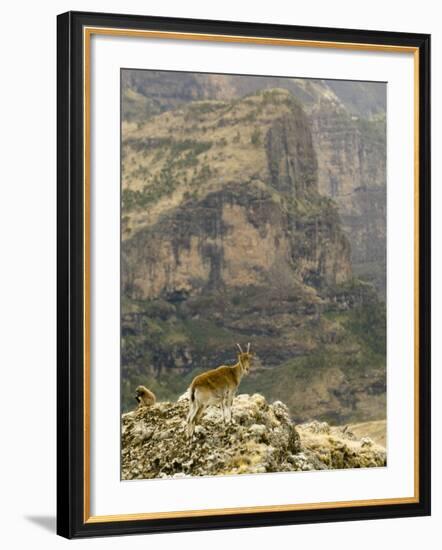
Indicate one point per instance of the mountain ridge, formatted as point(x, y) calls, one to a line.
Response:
point(227, 237)
point(348, 125)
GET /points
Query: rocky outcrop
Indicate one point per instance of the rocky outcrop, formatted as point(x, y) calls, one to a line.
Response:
point(291, 158)
point(337, 447)
point(261, 439)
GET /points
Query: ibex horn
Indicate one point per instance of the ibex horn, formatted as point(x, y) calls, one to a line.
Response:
point(240, 349)
point(248, 347)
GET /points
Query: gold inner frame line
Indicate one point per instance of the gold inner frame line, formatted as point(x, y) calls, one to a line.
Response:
point(87, 34)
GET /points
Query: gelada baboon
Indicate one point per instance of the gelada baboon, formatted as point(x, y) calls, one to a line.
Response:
point(144, 397)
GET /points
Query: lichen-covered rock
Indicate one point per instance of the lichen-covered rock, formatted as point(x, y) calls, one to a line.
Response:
point(338, 448)
point(261, 439)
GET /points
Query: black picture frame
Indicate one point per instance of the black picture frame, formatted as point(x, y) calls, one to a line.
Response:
point(71, 394)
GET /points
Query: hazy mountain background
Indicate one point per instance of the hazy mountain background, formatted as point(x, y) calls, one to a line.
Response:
point(254, 209)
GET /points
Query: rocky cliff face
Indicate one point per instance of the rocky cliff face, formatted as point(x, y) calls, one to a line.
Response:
point(352, 170)
point(226, 237)
point(261, 439)
point(348, 128)
point(231, 211)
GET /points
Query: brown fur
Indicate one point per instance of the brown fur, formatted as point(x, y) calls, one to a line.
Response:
point(145, 397)
point(216, 386)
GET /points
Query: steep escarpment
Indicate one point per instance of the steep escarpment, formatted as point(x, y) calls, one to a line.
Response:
point(347, 121)
point(200, 214)
point(227, 238)
point(352, 170)
point(261, 439)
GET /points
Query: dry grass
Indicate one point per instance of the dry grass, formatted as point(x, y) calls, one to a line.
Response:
point(375, 430)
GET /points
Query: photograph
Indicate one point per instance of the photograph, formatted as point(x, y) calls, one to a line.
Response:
point(253, 274)
point(220, 232)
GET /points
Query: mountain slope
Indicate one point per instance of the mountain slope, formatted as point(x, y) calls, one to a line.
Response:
point(227, 238)
point(348, 126)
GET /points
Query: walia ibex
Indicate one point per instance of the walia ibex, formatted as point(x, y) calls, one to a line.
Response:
point(217, 386)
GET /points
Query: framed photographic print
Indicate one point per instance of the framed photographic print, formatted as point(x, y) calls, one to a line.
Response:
point(243, 274)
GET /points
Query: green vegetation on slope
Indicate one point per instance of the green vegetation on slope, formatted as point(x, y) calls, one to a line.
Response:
point(328, 383)
point(341, 379)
